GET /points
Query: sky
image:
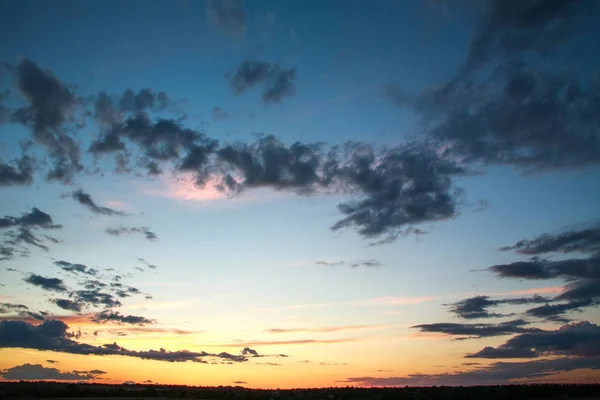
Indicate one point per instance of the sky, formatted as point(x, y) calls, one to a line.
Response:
point(283, 194)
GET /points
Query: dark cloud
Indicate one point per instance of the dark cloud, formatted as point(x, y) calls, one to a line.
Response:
point(51, 361)
point(247, 351)
point(50, 106)
point(229, 16)
point(51, 284)
point(33, 219)
point(511, 27)
point(68, 305)
point(498, 373)
point(148, 234)
point(35, 372)
point(276, 82)
point(401, 187)
point(86, 200)
point(586, 240)
point(582, 275)
point(107, 316)
point(75, 268)
point(218, 114)
point(540, 269)
point(538, 121)
point(52, 335)
point(95, 297)
point(240, 382)
point(581, 339)
point(477, 307)
point(466, 331)
point(19, 173)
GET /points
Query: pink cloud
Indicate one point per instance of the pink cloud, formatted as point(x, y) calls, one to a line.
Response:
point(184, 189)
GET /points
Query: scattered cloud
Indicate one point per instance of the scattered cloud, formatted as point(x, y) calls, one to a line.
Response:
point(494, 374)
point(467, 331)
point(36, 372)
point(106, 316)
point(275, 81)
point(328, 329)
point(477, 307)
point(86, 200)
point(229, 16)
point(52, 335)
point(148, 234)
point(581, 339)
point(50, 284)
point(18, 232)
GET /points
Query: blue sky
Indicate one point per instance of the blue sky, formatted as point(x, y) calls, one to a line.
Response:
point(453, 77)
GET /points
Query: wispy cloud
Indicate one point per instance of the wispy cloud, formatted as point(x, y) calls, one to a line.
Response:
point(329, 328)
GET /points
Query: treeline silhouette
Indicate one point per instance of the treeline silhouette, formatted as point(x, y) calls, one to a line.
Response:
point(42, 389)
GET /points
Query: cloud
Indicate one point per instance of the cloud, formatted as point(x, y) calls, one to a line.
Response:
point(477, 307)
point(581, 339)
point(327, 329)
point(50, 284)
point(35, 372)
point(68, 305)
point(148, 234)
point(289, 342)
point(49, 107)
point(498, 373)
point(219, 114)
point(52, 335)
point(467, 331)
point(401, 187)
point(392, 189)
point(366, 264)
point(19, 174)
point(107, 316)
point(229, 16)
point(581, 274)
point(330, 263)
point(86, 200)
point(18, 232)
point(509, 28)
point(240, 382)
point(147, 264)
point(75, 268)
point(275, 81)
point(586, 240)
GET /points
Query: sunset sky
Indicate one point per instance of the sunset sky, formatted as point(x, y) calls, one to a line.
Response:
point(280, 194)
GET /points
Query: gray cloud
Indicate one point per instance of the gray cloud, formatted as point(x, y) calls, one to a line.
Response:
point(68, 305)
point(50, 284)
point(52, 335)
point(49, 108)
point(586, 240)
point(86, 200)
point(75, 268)
point(107, 316)
point(510, 27)
point(38, 372)
point(495, 374)
point(19, 173)
point(275, 81)
point(466, 331)
point(148, 234)
point(581, 339)
point(477, 307)
point(229, 16)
